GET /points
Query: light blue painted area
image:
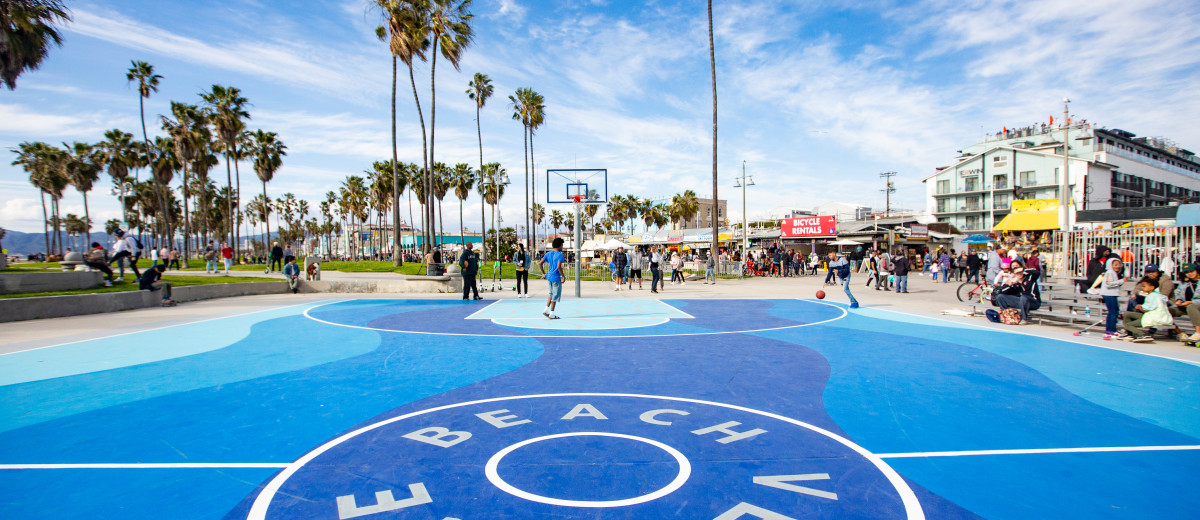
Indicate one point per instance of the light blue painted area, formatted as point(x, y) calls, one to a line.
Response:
point(581, 314)
point(1160, 391)
point(271, 346)
point(132, 349)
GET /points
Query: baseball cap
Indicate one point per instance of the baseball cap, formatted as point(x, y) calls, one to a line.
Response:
point(1188, 267)
point(1151, 268)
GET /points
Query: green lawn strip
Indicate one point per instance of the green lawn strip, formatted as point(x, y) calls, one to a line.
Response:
point(177, 281)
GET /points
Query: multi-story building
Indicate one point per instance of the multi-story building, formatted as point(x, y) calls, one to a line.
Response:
point(1108, 169)
point(704, 215)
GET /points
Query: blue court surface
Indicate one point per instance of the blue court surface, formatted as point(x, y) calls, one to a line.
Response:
point(630, 408)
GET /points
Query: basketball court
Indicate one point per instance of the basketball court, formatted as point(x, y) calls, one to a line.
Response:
point(625, 408)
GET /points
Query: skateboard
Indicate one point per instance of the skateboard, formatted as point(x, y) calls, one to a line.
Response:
point(169, 303)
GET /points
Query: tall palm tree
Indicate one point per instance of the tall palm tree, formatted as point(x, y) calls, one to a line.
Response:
point(268, 157)
point(712, 59)
point(539, 214)
point(37, 159)
point(683, 207)
point(449, 28)
point(407, 23)
point(82, 170)
point(354, 198)
point(462, 179)
point(397, 175)
point(228, 113)
point(119, 156)
point(147, 83)
point(492, 190)
point(188, 128)
point(441, 186)
point(556, 220)
point(617, 208)
point(380, 198)
point(163, 169)
point(390, 10)
point(26, 32)
point(528, 108)
point(537, 117)
point(479, 90)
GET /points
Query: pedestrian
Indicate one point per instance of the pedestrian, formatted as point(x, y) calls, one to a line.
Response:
point(521, 262)
point(226, 256)
point(97, 258)
point(468, 264)
point(934, 268)
point(291, 273)
point(125, 250)
point(636, 262)
point(993, 263)
point(872, 263)
point(555, 260)
point(841, 266)
point(1152, 313)
point(676, 268)
point(276, 257)
point(210, 258)
point(1108, 286)
point(174, 257)
point(656, 278)
point(151, 280)
point(974, 262)
point(619, 263)
point(900, 267)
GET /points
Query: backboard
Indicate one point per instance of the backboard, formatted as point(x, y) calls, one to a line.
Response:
point(563, 185)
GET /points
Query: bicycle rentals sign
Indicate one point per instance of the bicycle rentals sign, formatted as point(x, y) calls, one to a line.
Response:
point(808, 227)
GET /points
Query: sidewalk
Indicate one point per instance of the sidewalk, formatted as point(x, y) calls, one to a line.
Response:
point(924, 299)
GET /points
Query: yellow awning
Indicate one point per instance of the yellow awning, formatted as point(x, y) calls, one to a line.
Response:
point(1029, 221)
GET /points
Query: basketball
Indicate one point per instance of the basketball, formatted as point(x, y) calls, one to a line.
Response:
point(820, 295)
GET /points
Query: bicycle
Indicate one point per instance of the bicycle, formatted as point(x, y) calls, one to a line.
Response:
point(975, 292)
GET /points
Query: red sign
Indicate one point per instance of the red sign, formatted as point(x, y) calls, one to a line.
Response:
point(804, 227)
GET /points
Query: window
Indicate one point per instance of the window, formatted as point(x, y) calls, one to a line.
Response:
point(1028, 178)
point(942, 205)
point(1000, 161)
point(1000, 182)
point(973, 203)
point(1001, 202)
point(972, 183)
point(943, 186)
point(973, 222)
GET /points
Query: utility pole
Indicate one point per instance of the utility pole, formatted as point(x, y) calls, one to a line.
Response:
point(1064, 197)
point(888, 191)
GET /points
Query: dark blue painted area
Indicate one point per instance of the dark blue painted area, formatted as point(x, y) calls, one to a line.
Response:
point(573, 468)
point(110, 494)
point(1125, 485)
point(722, 474)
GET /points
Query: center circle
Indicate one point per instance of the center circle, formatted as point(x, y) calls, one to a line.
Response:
point(685, 471)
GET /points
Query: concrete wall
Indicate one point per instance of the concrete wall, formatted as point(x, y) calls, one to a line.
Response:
point(46, 282)
point(406, 284)
point(18, 309)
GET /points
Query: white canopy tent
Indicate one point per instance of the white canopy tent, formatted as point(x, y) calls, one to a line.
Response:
point(613, 244)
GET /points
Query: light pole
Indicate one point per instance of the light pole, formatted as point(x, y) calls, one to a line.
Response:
point(495, 181)
point(122, 191)
point(742, 182)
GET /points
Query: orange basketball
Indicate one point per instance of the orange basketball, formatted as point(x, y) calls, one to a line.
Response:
point(820, 295)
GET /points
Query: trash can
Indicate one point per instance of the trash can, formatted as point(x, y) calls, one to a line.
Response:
point(435, 269)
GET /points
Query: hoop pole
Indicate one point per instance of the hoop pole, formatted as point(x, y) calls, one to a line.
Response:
point(578, 246)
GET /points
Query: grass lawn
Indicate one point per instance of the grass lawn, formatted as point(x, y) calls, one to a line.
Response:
point(131, 285)
point(32, 266)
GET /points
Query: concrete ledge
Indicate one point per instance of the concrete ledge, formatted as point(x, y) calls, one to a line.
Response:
point(34, 307)
point(408, 284)
point(47, 282)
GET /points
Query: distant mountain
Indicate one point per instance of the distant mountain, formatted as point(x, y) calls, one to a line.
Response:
point(18, 243)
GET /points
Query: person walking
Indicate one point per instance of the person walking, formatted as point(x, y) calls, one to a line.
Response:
point(468, 263)
point(973, 265)
point(226, 256)
point(555, 260)
point(173, 256)
point(901, 267)
point(276, 257)
point(676, 268)
point(656, 278)
point(841, 266)
point(521, 262)
point(125, 250)
point(710, 263)
point(636, 262)
point(620, 261)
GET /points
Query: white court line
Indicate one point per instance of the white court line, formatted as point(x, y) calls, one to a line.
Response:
point(472, 316)
point(174, 325)
point(149, 465)
point(571, 336)
point(677, 309)
point(1105, 449)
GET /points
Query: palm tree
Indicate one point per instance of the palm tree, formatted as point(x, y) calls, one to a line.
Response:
point(228, 111)
point(119, 155)
point(26, 33)
point(539, 214)
point(462, 179)
point(441, 186)
point(147, 83)
point(617, 208)
point(268, 157)
point(492, 190)
point(479, 90)
point(556, 220)
point(354, 199)
point(449, 27)
point(388, 7)
point(37, 159)
point(527, 108)
point(380, 198)
point(410, 38)
point(684, 207)
point(164, 168)
point(82, 169)
point(712, 59)
point(190, 135)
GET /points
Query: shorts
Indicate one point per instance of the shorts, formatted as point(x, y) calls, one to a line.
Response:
point(635, 273)
point(555, 291)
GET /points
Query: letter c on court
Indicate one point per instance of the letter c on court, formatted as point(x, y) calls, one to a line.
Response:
point(649, 417)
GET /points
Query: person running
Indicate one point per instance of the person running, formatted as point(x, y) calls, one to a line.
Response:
point(554, 276)
point(151, 280)
point(97, 258)
point(636, 262)
point(291, 273)
point(619, 262)
point(656, 260)
point(125, 250)
point(521, 263)
point(226, 256)
point(841, 266)
point(468, 263)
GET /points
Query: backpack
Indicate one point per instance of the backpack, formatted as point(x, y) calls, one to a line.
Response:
point(138, 241)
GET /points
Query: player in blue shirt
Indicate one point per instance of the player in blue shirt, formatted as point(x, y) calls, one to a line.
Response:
point(554, 275)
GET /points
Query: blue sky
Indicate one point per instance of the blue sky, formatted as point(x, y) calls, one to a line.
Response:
point(816, 97)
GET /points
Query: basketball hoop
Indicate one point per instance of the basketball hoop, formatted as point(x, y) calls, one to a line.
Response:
point(577, 198)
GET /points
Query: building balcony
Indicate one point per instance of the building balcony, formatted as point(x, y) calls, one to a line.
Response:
point(965, 191)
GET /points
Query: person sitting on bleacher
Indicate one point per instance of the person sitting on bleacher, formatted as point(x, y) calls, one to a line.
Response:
point(1187, 297)
point(1018, 289)
point(1151, 313)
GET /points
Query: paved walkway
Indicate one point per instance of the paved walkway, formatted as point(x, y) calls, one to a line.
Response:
point(924, 299)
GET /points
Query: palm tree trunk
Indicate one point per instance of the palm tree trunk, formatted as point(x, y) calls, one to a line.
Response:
point(145, 138)
point(482, 210)
point(425, 158)
point(412, 230)
point(712, 58)
point(266, 220)
point(533, 177)
point(87, 220)
point(58, 243)
point(432, 126)
point(395, 179)
point(45, 222)
point(462, 235)
point(525, 142)
point(187, 220)
point(229, 196)
point(237, 234)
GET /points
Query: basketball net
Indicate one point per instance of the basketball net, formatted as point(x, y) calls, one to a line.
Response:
point(578, 202)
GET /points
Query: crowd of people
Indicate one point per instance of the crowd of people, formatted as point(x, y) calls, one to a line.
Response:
point(1164, 292)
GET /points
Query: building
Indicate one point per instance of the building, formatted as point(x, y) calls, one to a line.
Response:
point(703, 217)
point(1107, 169)
point(843, 210)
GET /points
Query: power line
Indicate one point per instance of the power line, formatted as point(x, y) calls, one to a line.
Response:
point(888, 191)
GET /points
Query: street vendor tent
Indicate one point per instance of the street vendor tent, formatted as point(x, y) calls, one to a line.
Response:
point(612, 245)
point(1029, 221)
point(590, 245)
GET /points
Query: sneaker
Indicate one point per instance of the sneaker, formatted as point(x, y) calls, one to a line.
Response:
point(1181, 337)
point(546, 312)
point(1143, 339)
point(553, 316)
point(1194, 337)
point(853, 305)
point(120, 279)
point(1108, 336)
point(109, 284)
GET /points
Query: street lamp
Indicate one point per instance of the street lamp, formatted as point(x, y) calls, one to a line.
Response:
point(742, 182)
point(124, 190)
